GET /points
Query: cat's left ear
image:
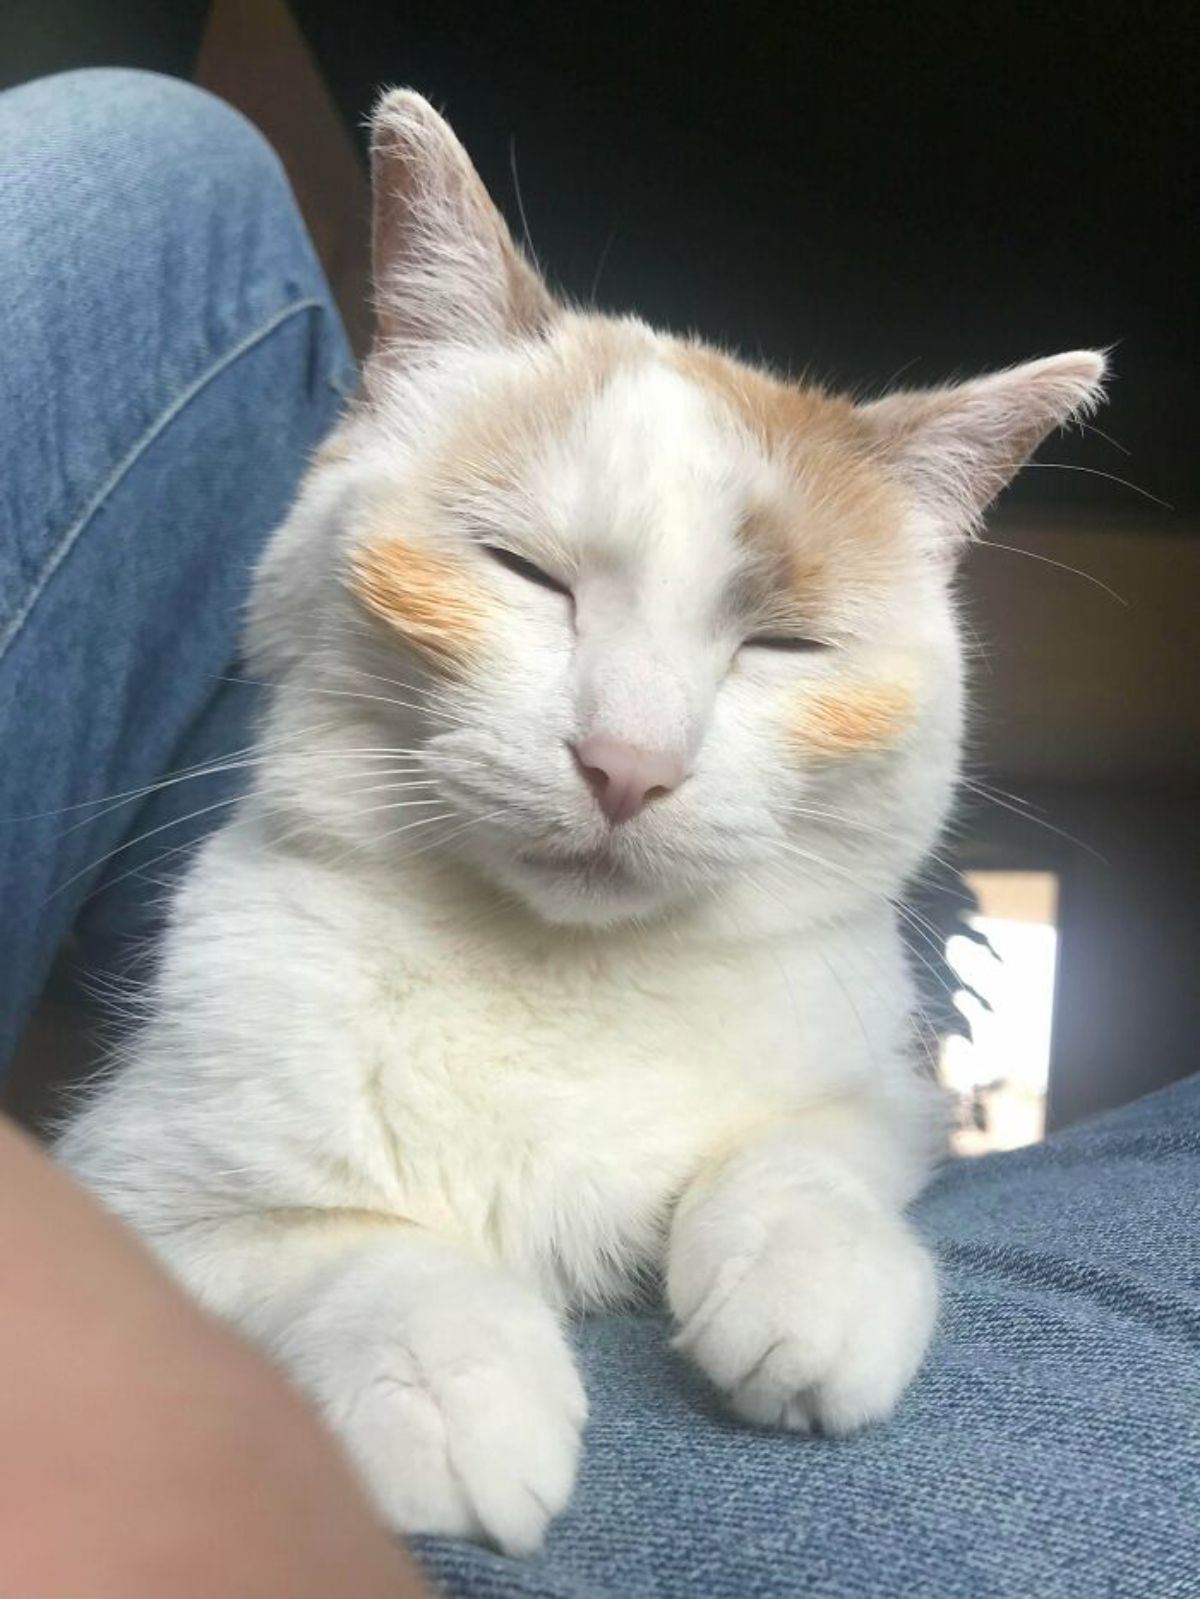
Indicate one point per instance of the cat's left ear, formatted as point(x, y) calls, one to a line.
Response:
point(956, 448)
point(446, 269)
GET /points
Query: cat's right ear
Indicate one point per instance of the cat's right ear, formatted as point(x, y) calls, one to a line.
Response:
point(446, 269)
point(955, 448)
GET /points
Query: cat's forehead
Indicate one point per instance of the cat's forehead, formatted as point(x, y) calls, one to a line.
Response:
point(624, 442)
point(649, 466)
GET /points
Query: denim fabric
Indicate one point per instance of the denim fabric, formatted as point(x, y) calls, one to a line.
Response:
point(1049, 1450)
point(170, 357)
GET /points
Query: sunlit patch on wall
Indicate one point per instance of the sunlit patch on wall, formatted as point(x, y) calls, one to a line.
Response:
point(1000, 1074)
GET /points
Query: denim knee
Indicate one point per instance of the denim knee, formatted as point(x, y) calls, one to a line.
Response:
point(171, 358)
point(129, 115)
point(141, 161)
point(148, 231)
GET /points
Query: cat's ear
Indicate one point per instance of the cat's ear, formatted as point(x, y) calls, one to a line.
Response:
point(956, 448)
point(446, 269)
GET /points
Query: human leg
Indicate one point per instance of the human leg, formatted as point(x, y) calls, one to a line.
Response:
point(172, 358)
point(1049, 1447)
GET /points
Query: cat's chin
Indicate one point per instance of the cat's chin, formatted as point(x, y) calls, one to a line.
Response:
point(583, 890)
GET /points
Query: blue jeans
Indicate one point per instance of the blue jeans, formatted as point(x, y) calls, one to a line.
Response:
point(171, 358)
point(171, 355)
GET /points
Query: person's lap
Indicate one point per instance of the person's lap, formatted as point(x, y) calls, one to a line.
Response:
point(172, 358)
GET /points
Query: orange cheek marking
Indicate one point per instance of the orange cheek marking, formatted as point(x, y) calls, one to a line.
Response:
point(430, 599)
point(853, 720)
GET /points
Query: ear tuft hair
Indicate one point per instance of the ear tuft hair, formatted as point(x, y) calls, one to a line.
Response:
point(956, 448)
point(446, 269)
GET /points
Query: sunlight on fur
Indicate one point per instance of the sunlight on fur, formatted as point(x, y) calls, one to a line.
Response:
point(850, 720)
point(616, 693)
point(430, 600)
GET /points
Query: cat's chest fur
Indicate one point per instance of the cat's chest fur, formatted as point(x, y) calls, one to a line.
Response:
point(323, 1048)
point(544, 1100)
point(549, 1103)
point(553, 1110)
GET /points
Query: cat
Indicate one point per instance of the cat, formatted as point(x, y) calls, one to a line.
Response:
point(616, 692)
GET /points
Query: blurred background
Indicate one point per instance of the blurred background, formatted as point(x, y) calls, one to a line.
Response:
point(867, 195)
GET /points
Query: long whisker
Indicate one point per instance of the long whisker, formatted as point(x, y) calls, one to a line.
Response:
point(342, 694)
point(393, 788)
point(1092, 471)
point(602, 263)
point(992, 798)
point(836, 818)
point(394, 832)
point(920, 1010)
point(1090, 427)
point(175, 821)
point(512, 162)
point(217, 769)
point(142, 867)
point(1047, 560)
point(328, 636)
point(393, 805)
point(253, 754)
point(472, 821)
point(913, 918)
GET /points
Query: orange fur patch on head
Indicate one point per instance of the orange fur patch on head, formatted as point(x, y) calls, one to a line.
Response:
point(491, 445)
point(843, 519)
point(853, 720)
point(776, 411)
point(430, 599)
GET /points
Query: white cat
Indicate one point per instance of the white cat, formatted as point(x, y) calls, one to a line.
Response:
point(618, 691)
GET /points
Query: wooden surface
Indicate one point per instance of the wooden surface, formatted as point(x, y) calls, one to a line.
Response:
point(254, 55)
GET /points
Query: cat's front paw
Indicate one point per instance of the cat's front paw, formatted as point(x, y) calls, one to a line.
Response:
point(458, 1400)
point(813, 1320)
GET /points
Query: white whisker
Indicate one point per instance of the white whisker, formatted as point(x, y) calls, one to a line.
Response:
point(1110, 477)
point(176, 821)
point(840, 820)
point(992, 797)
point(339, 693)
point(1046, 560)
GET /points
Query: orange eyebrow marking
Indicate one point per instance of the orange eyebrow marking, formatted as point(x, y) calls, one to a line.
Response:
point(428, 598)
point(850, 721)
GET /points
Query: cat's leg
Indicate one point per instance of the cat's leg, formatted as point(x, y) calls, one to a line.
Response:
point(449, 1381)
point(797, 1284)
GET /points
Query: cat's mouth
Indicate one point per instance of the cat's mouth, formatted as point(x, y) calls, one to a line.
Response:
point(598, 866)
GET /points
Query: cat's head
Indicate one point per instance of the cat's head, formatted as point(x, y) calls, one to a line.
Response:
point(611, 616)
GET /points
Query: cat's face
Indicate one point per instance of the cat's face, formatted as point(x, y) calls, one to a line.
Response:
point(647, 623)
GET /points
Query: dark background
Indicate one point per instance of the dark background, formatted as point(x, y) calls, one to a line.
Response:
point(865, 194)
point(853, 190)
point(847, 189)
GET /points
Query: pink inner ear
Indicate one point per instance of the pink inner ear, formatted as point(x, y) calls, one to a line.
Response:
point(958, 447)
point(445, 266)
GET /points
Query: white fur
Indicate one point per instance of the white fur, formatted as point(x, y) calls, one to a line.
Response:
point(418, 1078)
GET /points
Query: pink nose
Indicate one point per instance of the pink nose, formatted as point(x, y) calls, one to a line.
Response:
point(624, 778)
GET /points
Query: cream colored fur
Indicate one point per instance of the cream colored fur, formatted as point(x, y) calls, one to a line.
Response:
point(436, 1056)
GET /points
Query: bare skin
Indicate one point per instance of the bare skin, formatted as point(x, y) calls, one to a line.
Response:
point(144, 1450)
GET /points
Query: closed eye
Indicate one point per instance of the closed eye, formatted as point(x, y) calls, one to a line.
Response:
point(785, 641)
point(520, 567)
